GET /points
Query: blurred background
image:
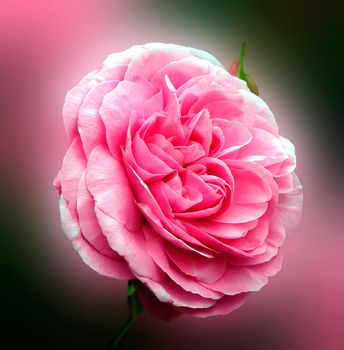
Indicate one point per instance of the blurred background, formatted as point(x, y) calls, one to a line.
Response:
point(50, 299)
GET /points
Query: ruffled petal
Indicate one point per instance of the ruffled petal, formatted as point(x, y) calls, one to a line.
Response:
point(290, 204)
point(116, 109)
point(151, 58)
point(203, 269)
point(90, 125)
point(264, 148)
point(224, 306)
point(73, 166)
point(181, 71)
point(155, 250)
point(108, 183)
point(104, 265)
point(73, 100)
point(88, 221)
point(241, 279)
point(131, 245)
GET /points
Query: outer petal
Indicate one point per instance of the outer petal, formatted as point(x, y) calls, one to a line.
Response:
point(153, 305)
point(108, 183)
point(123, 57)
point(290, 204)
point(131, 245)
point(259, 109)
point(153, 57)
point(156, 251)
point(173, 294)
point(181, 71)
point(116, 268)
point(88, 221)
point(201, 268)
point(242, 279)
point(73, 166)
point(73, 101)
point(116, 110)
point(265, 149)
point(90, 125)
point(223, 307)
point(204, 55)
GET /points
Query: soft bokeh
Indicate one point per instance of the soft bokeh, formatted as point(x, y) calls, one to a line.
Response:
point(51, 299)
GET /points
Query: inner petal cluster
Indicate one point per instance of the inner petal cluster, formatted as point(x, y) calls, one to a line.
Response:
point(175, 156)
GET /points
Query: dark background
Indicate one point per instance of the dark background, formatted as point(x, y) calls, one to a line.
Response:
point(50, 300)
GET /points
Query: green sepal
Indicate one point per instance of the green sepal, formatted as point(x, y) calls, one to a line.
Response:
point(243, 75)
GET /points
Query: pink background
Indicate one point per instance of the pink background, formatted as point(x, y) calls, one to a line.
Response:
point(45, 48)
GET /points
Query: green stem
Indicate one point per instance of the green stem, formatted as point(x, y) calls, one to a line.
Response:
point(135, 310)
point(118, 341)
point(241, 73)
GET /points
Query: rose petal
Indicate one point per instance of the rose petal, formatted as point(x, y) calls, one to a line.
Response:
point(270, 252)
point(200, 130)
point(90, 125)
point(203, 269)
point(236, 135)
point(252, 183)
point(224, 306)
point(240, 213)
point(73, 101)
point(225, 230)
point(115, 268)
point(255, 237)
point(153, 305)
point(255, 106)
point(108, 183)
point(181, 71)
point(220, 245)
point(130, 245)
point(264, 148)
point(241, 279)
point(153, 57)
point(290, 204)
point(171, 293)
point(148, 161)
point(73, 166)
point(174, 234)
point(155, 250)
point(88, 221)
point(116, 109)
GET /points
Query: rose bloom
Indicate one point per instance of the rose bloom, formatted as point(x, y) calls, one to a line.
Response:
point(176, 177)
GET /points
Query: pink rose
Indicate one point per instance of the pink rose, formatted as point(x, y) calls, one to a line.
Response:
point(177, 177)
